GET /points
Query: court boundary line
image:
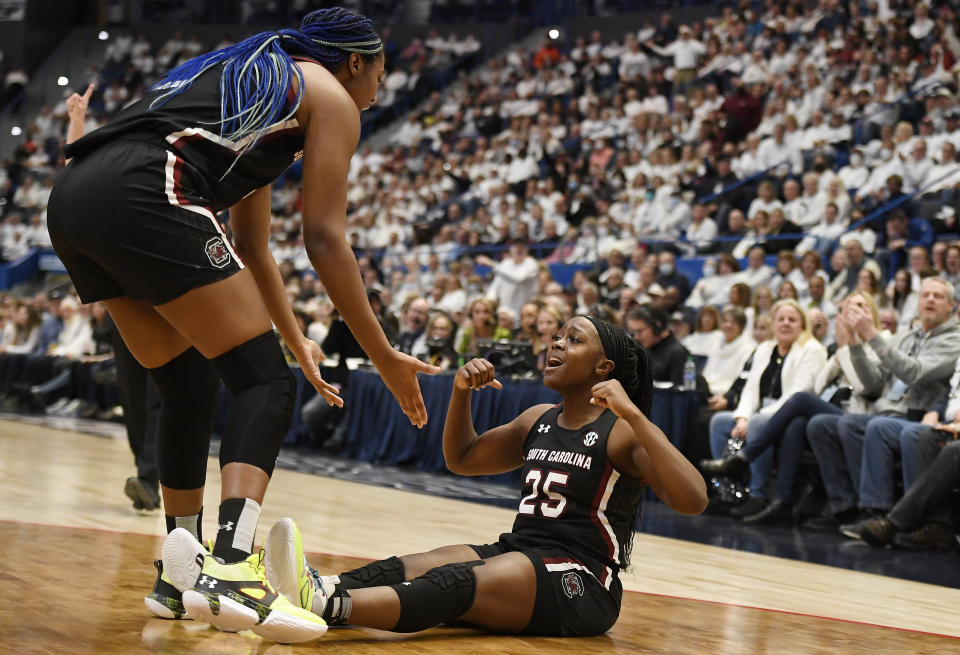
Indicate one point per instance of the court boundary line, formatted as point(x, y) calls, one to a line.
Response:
point(626, 591)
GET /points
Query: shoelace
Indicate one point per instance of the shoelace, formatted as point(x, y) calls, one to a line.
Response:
point(315, 580)
point(260, 569)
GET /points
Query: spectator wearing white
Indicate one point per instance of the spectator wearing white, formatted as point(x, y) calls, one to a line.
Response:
point(782, 60)
point(684, 51)
point(949, 134)
point(854, 174)
point(880, 110)
point(655, 102)
point(917, 168)
point(821, 237)
point(757, 274)
point(634, 63)
point(713, 288)
point(748, 162)
point(702, 229)
point(776, 154)
point(27, 195)
point(766, 200)
point(946, 174)
point(514, 277)
point(922, 24)
point(757, 71)
point(795, 208)
point(832, 190)
point(707, 337)
point(725, 363)
point(76, 337)
point(782, 366)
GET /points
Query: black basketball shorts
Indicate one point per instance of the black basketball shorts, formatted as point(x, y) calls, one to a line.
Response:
point(571, 601)
point(128, 220)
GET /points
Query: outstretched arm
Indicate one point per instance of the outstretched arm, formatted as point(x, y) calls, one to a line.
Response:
point(331, 122)
point(495, 451)
point(250, 221)
point(640, 449)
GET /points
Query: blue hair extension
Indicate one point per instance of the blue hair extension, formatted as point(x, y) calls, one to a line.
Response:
point(257, 72)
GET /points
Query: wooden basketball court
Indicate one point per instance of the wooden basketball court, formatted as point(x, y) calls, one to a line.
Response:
point(77, 563)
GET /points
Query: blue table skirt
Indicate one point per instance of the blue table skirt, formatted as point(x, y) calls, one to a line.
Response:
point(378, 431)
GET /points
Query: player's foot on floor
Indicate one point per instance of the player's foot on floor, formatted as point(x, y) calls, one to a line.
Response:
point(288, 570)
point(234, 597)
point(142, 493)
point(165, 600)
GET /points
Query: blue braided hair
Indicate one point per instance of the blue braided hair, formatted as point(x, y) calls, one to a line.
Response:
point(258, 71)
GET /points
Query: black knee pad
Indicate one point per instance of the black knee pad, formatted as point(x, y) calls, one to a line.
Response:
point(441, 594)
point(264, 393)
point(188, 387)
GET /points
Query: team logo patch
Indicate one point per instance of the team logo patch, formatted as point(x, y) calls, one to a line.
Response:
point(298, 155)
point(217, 252)
point(590, 438)
point(572, 584)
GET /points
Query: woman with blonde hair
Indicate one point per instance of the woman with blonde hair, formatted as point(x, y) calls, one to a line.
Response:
point(481, 324)
point(783, 366)
point(787, 427)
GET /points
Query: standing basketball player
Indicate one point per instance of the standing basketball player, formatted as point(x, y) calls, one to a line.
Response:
point(585, 464)
point(133, 218)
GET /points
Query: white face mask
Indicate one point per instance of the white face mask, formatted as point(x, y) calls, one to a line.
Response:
point(856, 161)
point(665, 269)
point(709, 270)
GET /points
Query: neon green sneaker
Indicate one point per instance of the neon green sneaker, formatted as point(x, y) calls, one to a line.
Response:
point(234, 597)
point(289, 572)
point(166, 600)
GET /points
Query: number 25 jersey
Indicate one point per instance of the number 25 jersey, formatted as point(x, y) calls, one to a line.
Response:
point(572, 496)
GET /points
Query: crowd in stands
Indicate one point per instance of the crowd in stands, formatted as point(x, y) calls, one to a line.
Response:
point(803, 157)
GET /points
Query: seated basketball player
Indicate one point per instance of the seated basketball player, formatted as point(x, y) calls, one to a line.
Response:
point(586, 463)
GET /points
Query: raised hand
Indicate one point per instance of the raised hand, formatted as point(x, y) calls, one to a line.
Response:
point(476, 374)
point(611, 395)
point(77, 104)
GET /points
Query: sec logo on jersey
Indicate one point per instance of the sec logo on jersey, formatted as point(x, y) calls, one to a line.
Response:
point(590, 438)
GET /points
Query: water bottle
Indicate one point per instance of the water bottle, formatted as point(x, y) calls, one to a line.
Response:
point(690, 375)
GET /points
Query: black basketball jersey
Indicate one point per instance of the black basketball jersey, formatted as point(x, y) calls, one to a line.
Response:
point(573, 497)
point(188, 127)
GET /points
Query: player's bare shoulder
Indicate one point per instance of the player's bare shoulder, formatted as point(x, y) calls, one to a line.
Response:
point(325, 97)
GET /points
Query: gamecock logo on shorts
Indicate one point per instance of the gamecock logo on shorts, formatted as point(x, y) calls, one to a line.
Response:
point(572, 584)
point(217, 252)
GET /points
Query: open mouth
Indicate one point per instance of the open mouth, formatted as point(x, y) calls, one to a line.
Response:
point(553, 361)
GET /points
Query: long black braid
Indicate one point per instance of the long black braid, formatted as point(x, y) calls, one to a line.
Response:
point(631, 364)
point(631, 367)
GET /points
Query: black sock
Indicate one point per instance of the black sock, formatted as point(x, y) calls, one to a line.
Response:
point(236, 529)
point(188, 523)
point(376, 574)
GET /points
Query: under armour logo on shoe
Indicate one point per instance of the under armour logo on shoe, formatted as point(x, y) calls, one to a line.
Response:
point(210, 582)
point(543, 428)
point(228, 527)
